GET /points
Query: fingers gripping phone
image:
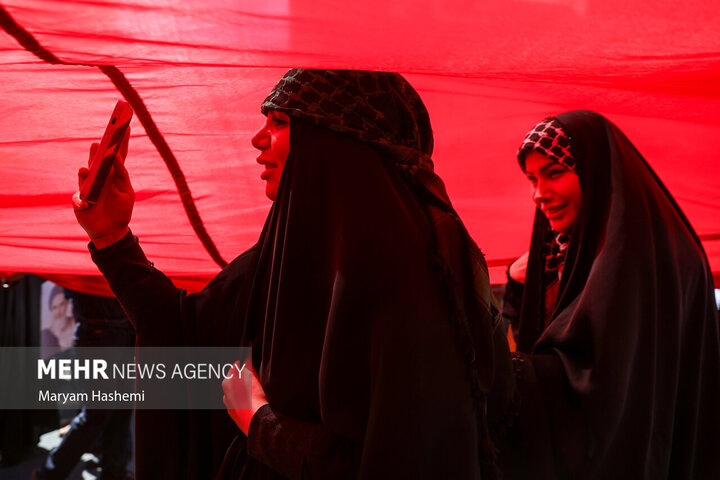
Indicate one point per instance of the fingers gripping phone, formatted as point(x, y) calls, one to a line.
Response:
point(104, 156)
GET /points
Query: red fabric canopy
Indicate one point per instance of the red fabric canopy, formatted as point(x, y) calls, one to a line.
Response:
point(196, 71)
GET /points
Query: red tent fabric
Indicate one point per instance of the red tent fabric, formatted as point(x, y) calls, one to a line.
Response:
point(196, 71)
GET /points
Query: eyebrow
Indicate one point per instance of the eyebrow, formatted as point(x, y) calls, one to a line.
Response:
point(548, 166)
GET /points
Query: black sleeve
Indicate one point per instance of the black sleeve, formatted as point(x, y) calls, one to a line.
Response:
point(299, 449)
point(164, 315)
point(512, 301)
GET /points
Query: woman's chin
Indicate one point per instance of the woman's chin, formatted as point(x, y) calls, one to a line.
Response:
point(271, 191)
point(560, 226)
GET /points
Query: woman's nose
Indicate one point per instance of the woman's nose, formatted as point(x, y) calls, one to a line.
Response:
point(541, 192)
point(261, 139)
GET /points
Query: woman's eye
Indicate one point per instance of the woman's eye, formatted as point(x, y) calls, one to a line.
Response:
point(279, 119)
point(556, 173)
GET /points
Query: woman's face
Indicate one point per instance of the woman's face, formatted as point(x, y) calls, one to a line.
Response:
point(555, 190)
point(273, 141)
point(58, 307)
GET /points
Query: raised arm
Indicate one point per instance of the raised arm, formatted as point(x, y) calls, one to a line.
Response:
point(161, 313)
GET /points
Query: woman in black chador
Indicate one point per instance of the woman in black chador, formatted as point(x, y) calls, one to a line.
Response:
point(370, 315)
point(616, 326)
point(367, 304)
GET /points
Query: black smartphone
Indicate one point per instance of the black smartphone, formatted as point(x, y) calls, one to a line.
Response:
point(102, 161)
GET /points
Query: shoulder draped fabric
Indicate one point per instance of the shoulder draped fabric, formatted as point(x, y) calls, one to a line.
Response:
point(625, 380)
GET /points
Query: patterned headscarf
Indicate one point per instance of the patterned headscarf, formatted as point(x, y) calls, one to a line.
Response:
point(381, 108)
point(375, 107)
point(556, 248)
point(548, 139)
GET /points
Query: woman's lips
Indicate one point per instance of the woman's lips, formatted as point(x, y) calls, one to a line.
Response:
point(554, 211)
point(269, 167)
point(265, 174)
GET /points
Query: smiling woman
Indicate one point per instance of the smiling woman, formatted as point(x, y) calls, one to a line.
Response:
point(614, 315)
point(555, 190)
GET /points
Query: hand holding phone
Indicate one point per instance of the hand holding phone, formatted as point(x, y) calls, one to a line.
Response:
point(110, 145)
point(103, 204)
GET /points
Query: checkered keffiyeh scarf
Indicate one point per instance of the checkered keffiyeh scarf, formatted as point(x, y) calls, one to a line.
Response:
point(549, 139)
point(555, 250)
point(375, 107)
